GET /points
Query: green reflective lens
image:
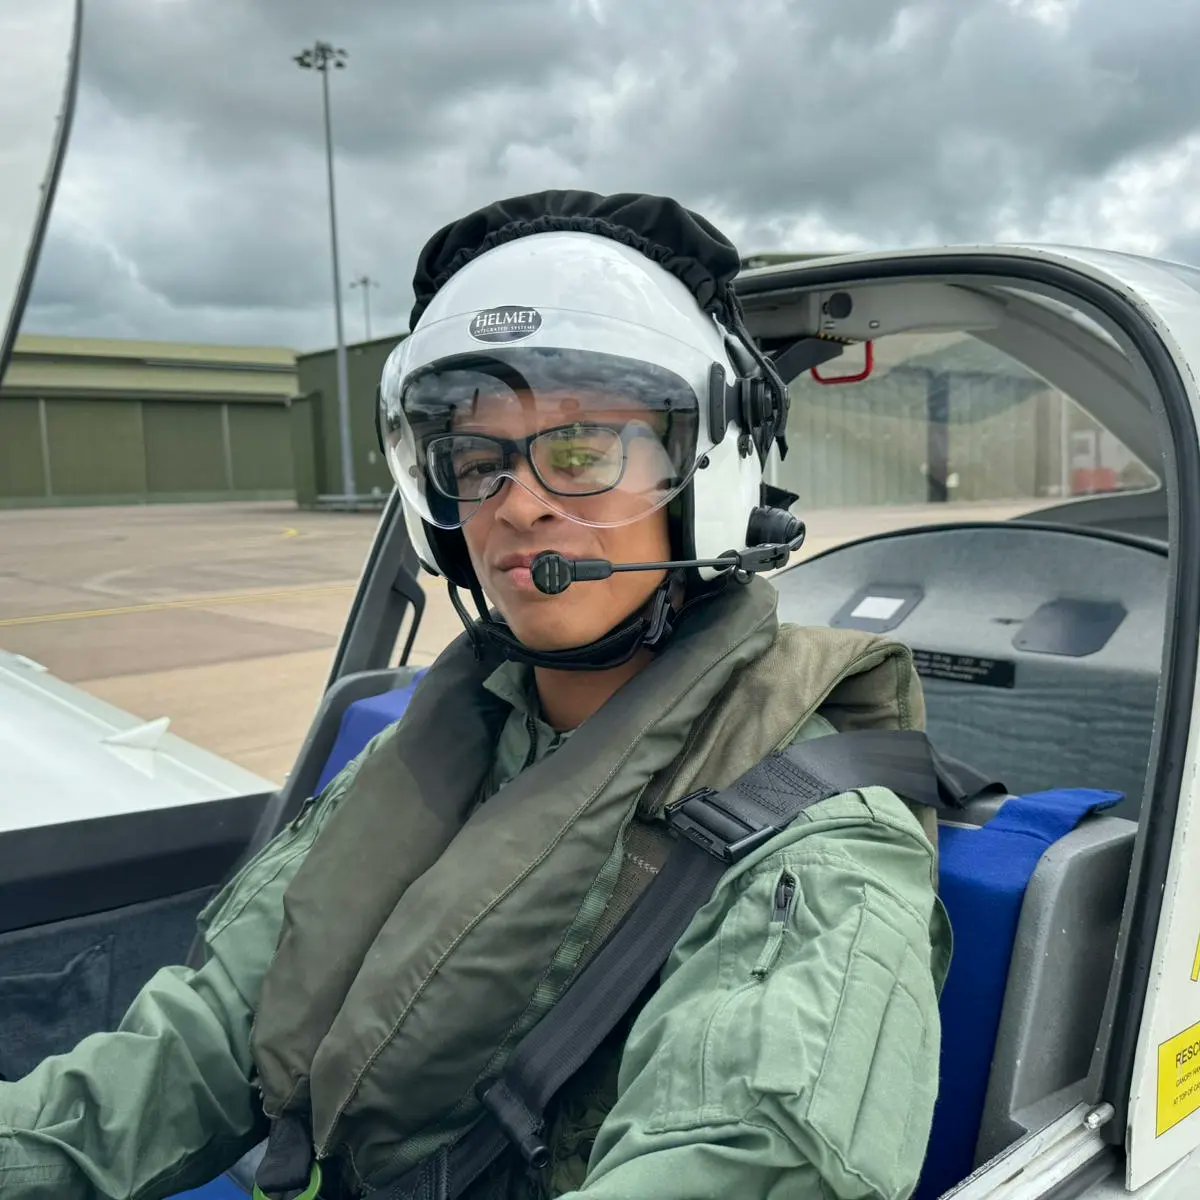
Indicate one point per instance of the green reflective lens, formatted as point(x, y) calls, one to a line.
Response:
point(580, 459)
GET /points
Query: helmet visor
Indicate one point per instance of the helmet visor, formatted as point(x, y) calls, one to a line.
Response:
point(599, 438)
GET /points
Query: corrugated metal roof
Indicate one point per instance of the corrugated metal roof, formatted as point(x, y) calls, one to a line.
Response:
point(96, 367)
point(184, 352)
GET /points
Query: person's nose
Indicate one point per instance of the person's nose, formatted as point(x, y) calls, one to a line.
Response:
point(520, 503)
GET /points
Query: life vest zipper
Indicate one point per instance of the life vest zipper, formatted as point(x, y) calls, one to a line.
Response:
point(783, 901)
point(531, 730)
point(785, 894)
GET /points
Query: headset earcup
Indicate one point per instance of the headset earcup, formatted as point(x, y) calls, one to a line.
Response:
point(440, 551)
point(450, 555)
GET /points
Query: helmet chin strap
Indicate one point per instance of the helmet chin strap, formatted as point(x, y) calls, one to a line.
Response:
point(772, 535)
point(650, 627)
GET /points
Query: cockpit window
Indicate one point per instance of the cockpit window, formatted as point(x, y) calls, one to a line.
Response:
point(945, 427)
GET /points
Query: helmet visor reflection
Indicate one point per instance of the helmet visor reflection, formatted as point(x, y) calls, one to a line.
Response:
point(601, 439)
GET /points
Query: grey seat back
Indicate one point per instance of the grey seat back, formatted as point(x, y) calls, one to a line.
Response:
point(1058, 979)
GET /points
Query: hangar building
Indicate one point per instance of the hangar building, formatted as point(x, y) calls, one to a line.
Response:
point(94, 421)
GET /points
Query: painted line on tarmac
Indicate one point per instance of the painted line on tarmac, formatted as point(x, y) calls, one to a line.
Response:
point(88, 614)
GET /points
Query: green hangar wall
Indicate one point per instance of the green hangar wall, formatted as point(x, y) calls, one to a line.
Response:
point(315, 433)
point(93, 421)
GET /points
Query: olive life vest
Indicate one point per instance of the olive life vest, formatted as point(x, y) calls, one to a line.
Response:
point(424, 935)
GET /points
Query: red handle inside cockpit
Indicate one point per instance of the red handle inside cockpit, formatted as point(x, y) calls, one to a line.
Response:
point(868, 367)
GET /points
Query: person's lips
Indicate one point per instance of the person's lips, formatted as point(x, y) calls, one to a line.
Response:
point(510, 562)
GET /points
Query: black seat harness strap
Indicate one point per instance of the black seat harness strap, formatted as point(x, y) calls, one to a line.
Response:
point(714, 830)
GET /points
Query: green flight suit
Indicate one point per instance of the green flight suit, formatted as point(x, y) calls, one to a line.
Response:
point(787, 1053)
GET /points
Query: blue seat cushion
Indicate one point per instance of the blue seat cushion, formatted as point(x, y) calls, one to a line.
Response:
point(361, 721)
point(984, 874)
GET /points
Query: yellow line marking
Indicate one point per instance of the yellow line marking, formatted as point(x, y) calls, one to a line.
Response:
point(1196, 965)
point(161, 605)
point(291, 533)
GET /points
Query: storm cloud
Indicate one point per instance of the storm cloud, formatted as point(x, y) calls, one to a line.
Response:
point(192, 204)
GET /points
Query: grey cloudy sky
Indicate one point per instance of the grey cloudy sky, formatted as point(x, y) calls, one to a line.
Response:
point(192, 205)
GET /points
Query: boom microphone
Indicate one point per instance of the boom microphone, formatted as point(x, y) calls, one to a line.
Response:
point(553, 573)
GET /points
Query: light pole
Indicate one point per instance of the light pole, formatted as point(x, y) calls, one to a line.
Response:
point(366, 283)
point(319, 58)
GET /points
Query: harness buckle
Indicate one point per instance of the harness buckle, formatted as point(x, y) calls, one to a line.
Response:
point(523, 1126)
point(699, 818)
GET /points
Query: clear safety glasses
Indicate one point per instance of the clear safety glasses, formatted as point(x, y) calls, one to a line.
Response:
point(602, 439)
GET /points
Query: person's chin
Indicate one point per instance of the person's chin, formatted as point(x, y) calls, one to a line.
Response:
point(540, 634)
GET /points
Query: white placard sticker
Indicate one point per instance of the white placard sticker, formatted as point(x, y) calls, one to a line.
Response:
point(877, 608)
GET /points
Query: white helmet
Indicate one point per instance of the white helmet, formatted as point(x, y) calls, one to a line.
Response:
point(620, 378)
